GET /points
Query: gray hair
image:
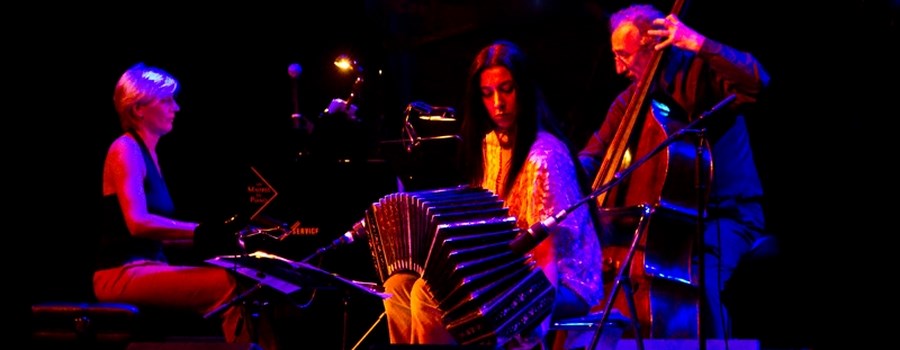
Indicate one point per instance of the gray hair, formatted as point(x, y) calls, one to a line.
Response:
point(642, 15)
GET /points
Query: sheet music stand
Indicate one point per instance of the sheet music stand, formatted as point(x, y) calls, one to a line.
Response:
point(422, 158)
point(289, 277)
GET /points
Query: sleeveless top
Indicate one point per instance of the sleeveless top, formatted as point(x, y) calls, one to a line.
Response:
point(117, 245)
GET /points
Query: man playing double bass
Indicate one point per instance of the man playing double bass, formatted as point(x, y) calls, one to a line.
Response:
point(695, 74)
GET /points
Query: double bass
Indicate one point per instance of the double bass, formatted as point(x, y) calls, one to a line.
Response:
point(660, 200)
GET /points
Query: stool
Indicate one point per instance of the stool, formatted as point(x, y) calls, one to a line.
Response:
point(106, 325)
point(578, 332)
point(84, 324)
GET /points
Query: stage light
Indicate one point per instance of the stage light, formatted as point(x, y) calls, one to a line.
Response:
point(347, 64)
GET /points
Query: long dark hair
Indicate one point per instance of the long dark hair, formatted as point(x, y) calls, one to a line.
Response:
point(533, 115)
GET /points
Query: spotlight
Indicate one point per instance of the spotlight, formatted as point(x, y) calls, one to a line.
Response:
point(347, 64)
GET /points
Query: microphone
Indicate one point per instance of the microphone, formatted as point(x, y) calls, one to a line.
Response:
point(294, 71)
point(357, 232)
point(528, 239)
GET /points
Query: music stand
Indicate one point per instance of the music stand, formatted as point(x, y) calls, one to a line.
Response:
point(288, 277)
point(422, 158)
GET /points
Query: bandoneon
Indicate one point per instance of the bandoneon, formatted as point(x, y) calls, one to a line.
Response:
point(457, 239)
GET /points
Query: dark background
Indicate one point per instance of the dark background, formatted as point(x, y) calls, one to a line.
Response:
point(821, 140)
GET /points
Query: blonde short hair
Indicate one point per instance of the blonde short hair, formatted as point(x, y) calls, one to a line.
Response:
point(141, 85)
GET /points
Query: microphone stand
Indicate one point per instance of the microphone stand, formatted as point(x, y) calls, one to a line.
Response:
point(700, 185)
point(350, 236)
point(371, 328)
point(622, 275)
point(538, 231)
